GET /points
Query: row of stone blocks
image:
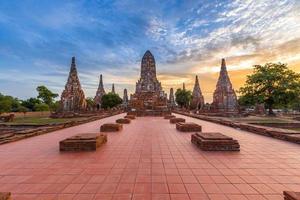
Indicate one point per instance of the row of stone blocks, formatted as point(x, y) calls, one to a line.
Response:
point(205, 141)
point(215, 142)
point(91, 141)
point(289, 195)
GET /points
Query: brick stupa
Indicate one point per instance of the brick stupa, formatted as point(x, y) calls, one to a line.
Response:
point(224, 98)
point(149, 98)
point(172, 103)
point(72, 98)
point(100, 92)
point(197, 101)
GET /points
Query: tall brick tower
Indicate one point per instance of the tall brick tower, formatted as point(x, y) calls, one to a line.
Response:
point(224, 98)
point(197, 101)
point(72, 98)
point(100, 92)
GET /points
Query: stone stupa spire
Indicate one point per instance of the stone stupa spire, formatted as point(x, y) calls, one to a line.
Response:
point(113, 88)
point(100, 92)
point(183, 86)
point(197, 101)
point(73, 98)
point(171, 98)
point(125, 98)
point(224, 98)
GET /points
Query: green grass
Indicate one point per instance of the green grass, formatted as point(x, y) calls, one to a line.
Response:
point(41, 120)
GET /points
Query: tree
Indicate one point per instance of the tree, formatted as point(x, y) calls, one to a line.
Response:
point(110, 100)
point(46, 95)
point(272, 84)
point(30, 103)
point(183, 97)
point(41, 107)
point(23, 109)
point(8, 104)
point(90, 102)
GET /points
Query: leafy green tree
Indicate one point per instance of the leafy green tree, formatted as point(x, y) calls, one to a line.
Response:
point(23, 109)
point(30, 103)
point(46, 95)
point(110, 100)
point(90, 102)
point(183, 97)
point(8, 104)
point(41, 107)
point(272, 84)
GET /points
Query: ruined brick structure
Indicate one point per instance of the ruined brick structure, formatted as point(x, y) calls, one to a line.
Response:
point(125, 98)
point(100, 92)
point(149, 98)
point(172, 103)
point(197, 101)
point(224, 98)
point(113, 88)
point(72, 98)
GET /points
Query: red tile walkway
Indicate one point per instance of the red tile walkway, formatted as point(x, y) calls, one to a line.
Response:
point(149, 159)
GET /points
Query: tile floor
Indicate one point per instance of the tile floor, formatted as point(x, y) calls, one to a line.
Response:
point(149, 159)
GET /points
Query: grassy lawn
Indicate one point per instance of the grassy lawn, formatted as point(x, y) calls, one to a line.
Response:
point(41, 120)
point(262, 120)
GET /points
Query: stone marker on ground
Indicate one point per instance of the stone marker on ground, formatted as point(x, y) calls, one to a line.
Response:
point(83, 142)
point(215, 142)
point(169, 116)
point(5, 196)
point(289, 195)
point(111, 127)
point(129, 117)
point(188, 127)
point(176, 120)
point(123, 121)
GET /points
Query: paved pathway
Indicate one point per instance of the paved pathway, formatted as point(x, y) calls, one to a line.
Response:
point(149, 159)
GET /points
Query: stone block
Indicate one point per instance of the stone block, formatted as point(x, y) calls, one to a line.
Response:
point(123, 121)
point(214, 142)
point(83, 142)
point(289, 195)
point(129, 117)
point(176, 120)
point(169, 116)
point(188, 127)
point(111, 127)
point(5, 196)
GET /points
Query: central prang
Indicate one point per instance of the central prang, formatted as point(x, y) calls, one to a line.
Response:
point(149, 98)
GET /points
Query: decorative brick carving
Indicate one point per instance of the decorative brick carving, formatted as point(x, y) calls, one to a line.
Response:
point(169, 116)
point(72, 98)
point(129, 117)
point(176, 120)
point(83, 142)
point(188, 127)
point(215, 142)
point(111, 127)
point(123, 121)
point(289, 195)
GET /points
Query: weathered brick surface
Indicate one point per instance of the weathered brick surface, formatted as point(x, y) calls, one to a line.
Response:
point(83, 142)
point(111, 127)
point(215, 142)
point(188, 127)
point(123, 121)
point(169, 116)
point(130, 117)
point(289, 195)
point(176, 120)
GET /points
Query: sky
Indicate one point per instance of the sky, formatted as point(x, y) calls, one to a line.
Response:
point(109, 37)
